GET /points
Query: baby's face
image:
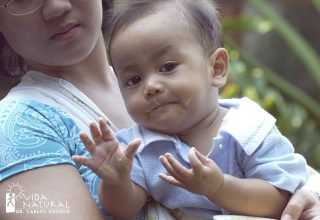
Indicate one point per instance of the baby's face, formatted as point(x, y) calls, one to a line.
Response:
point(163, 73)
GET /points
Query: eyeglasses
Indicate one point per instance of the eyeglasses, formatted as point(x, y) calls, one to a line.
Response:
point(21, 7)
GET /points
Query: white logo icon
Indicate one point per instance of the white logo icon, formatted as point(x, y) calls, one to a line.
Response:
point(14, 192)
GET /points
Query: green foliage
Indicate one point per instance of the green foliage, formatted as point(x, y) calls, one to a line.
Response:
point(297, 113)
point(316, 4)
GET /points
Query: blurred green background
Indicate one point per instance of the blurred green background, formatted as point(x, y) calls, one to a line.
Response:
point(274, 59)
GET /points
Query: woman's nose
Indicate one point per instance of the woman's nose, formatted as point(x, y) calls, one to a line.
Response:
point(55, 8)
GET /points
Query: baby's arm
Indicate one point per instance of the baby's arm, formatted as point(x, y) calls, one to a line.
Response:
point(251, 197)
point(239, 196)
point(112, 163)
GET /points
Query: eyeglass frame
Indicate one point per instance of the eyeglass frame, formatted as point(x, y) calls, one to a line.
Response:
point(30, 12)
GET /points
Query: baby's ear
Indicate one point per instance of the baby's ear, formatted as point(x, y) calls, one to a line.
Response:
point(219, 62)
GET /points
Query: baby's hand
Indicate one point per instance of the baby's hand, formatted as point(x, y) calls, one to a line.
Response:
point(109, 160)
point(204, 178)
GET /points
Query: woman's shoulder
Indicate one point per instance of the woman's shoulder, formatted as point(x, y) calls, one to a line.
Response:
point(12, 103)
point(26, 122)
point(18, 109)
point(29, 113)
point(33, 134)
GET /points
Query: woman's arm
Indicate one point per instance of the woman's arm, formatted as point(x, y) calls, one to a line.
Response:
point(50, 188)
point(313, 183)
point(305, 202)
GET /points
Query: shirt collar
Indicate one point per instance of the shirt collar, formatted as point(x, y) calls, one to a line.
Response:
point(147, 137)
point(246, 122)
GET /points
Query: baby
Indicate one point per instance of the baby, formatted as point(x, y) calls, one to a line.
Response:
point(189, 150)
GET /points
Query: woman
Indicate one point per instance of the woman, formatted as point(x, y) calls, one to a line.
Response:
point(59, 43)
point(62, 39)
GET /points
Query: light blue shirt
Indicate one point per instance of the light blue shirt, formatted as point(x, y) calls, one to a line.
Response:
point(248, 145)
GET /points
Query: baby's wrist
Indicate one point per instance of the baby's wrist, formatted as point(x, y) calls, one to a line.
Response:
point(219, 189)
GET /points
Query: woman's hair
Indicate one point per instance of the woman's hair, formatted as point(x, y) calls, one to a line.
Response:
point(201, 16)
point(11, 64)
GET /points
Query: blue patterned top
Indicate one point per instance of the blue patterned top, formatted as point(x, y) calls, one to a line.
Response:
point(33, 134)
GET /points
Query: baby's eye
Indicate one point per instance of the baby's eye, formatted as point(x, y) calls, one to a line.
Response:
point(133, 80)
point(168, 67)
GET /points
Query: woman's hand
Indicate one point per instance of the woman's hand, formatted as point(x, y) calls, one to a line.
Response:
point(109, 160)
point(303, 205)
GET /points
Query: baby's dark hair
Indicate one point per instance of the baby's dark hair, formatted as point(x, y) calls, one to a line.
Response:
point(201, 16)
point(11, 64)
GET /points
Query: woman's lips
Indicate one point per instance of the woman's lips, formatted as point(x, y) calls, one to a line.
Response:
point(66, 32)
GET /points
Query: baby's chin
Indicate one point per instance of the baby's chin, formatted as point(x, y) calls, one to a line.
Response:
point(168, 130)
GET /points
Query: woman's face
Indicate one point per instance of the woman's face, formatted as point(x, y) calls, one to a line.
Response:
point(60, 33)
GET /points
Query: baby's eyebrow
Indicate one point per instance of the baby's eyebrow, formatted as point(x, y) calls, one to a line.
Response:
point(165, 50)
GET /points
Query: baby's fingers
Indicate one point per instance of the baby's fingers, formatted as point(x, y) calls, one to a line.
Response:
point(200, 162)
point(95, 133)
point(88, 143)
point(174, 167)
point(105, 130)
point(170, 179)
point(195, 161)
point(132, 148)
point(84, 161)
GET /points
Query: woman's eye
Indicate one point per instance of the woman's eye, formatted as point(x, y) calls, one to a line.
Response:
point(133, 80)
point(168, 67)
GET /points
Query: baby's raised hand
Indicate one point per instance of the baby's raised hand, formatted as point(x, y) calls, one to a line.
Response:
point(110, 161)
point(204, 178)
